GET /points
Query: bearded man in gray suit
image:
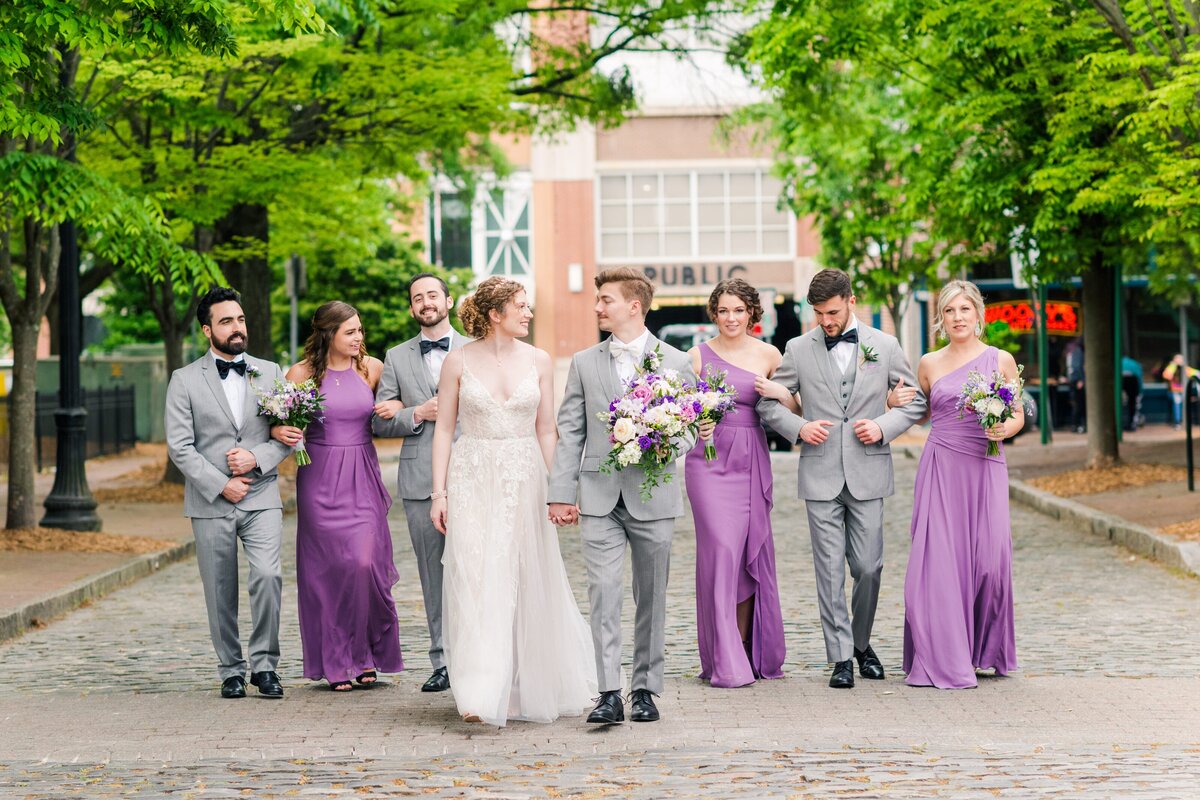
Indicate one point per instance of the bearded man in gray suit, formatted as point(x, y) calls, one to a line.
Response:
point(847, 374)
point(228, 458)
point(406, 404)
point(609, 507)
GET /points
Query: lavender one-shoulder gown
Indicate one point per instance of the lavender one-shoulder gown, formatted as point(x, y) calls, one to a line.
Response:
point(958, 599)
point(344, 568)
point(735, 554)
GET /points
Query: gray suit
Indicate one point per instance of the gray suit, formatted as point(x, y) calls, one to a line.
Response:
point(200, 431)
point(842, 481)
point(406, 378)
point(613, 514)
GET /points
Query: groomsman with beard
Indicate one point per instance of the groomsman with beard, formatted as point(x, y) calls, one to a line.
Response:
point(227, 456)
point(406, 405)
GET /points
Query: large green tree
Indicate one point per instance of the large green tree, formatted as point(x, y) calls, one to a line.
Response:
point(43, 112)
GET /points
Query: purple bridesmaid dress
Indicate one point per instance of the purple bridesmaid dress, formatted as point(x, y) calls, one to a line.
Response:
point(958, 599)
point(344, 568)
point(735, 554)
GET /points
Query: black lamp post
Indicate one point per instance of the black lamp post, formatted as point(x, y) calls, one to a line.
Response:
point(70, 503)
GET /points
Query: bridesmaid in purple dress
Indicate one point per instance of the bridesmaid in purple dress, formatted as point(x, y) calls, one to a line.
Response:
point(958, 599)
point(344, 568)
point(738, 619)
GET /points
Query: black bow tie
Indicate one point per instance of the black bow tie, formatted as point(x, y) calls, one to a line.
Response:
point(224, 366)
point(850, 336)
point(427, 345)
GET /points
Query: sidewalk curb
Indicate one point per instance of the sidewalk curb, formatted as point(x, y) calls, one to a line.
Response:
point(1184, 556)
point(15, 623)
point(1144, 541)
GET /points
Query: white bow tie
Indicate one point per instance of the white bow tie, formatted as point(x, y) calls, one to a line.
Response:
point(619, 349)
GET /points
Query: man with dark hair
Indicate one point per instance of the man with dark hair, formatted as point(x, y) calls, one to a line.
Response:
point(406, 404)
point(227, 456)
point(843, 371)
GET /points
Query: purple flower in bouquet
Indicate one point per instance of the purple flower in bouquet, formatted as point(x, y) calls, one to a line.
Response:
point(992, 400)
point(646, 421)
point(711, 399)
point(294, 404)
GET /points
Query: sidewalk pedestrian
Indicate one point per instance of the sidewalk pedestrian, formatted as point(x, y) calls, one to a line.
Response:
point(227, 456)
point(1174, 375)
point(1074, 357)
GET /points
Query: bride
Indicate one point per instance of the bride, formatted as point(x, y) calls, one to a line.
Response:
point(515, 641)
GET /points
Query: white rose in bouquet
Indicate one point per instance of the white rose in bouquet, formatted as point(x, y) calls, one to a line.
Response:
point(996, 407)
point(624, 430)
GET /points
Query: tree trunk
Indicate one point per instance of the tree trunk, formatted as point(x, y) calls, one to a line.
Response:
point(1099, 367)
point(22, 444)
point(250, 275)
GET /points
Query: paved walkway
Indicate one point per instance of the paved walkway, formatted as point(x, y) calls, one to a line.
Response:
point(119, 699)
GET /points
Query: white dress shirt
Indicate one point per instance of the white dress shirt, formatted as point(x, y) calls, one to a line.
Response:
point(435, 358)
point(842, 352)
point(627, 363)
point(235, 388)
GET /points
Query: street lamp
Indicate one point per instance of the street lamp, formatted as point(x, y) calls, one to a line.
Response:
point(70, 503)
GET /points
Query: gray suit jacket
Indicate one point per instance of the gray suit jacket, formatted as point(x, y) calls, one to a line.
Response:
point(200, 431)
point(583, 443)
point(842, 460)
point(407, 379)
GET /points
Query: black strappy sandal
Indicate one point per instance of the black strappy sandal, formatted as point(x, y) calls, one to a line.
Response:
point(362, 681)
point(341, 686)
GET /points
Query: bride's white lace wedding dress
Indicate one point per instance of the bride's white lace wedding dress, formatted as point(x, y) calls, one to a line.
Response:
point(516, 644)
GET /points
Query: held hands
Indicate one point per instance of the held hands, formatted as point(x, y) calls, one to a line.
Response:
point(900, 395)
point(241, 461)
point(287, 434)
point(426, 411)
point(706, 430)
point(387, 409)
point(564, 514)
point(868, 431)
point(236, 489)
point(815, 432)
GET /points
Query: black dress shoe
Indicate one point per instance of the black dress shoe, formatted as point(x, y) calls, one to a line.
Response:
point(609, 710)
point(868, 664)
point(233, 687)
point(268, 684)
point(843, 675)
point(642, 706)
point(439, 681)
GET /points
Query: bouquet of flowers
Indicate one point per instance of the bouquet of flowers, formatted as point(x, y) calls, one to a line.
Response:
point(295, 404)
point(646, 421)
point(716, 399)
point(992, 400)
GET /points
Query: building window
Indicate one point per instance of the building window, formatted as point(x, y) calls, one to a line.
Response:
point(449, 230)
point(506, 232)
point(696, 214)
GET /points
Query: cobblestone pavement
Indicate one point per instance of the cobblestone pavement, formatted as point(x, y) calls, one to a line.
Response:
point(120, 699)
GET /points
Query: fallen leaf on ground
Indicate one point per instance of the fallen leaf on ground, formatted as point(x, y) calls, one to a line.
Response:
point(59, 540)
point(1094, 481)
point(1188, 531)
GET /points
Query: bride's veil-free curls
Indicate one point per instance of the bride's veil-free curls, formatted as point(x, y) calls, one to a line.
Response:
point(492, 295)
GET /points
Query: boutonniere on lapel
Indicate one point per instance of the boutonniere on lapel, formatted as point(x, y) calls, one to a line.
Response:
point(253, 372)
point(867, 355)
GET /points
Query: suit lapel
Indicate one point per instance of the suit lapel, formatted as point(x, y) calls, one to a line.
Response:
point(416, 365)
point(250, 401)
point(209, 368)
point(606, 372)
point(824, 362)
point(866, 338)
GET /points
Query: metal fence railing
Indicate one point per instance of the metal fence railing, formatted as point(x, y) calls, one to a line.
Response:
point(110, 425)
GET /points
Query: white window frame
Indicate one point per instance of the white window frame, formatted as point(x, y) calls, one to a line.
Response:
point(694, 170)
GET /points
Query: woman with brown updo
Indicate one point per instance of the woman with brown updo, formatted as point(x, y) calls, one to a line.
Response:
point(344, 567)
point(738, 618)
point(515, 641)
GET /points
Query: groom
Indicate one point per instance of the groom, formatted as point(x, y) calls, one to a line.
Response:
point(610, 511)
point(225, 452)
point(406, 405)
point(844, 371)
